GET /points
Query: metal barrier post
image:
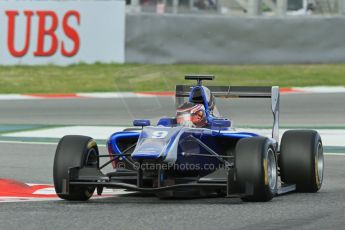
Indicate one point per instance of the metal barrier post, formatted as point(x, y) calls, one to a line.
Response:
point(281, 7)
point(191, 4)
point(175, 4)
point(135, 6)
point(341, 7)
point(254, 7)
point(219, 5)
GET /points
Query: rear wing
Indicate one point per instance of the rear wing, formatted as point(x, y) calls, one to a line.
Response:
point(272, 92)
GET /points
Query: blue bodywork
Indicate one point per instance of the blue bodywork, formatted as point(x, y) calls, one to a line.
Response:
point(173, 142)
point(168, 143)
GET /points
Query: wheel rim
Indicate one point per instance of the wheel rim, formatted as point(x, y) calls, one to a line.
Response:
point(91, 159)
point(271, 170)
point(319, 163)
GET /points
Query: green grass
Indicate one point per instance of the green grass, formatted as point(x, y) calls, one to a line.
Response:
point(135, 77)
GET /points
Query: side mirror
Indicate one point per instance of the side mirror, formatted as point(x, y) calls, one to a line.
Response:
point(220, 124)
point(141, 122)
point(167, 122)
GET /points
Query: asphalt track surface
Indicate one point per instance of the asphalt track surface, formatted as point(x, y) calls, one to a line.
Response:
point(33, 163)
point(296, 110)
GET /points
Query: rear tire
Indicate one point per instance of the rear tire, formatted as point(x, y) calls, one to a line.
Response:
point(256, 168)
point(74, 151)
point(301, 160)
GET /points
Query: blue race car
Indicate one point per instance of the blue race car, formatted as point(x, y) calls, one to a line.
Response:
point(196, 153)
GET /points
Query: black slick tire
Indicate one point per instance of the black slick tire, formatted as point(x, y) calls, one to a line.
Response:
point(301, 160)
point(256, 169)
point(74, 151)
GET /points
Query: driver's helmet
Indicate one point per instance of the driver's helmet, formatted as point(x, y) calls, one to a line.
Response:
point(191, 115)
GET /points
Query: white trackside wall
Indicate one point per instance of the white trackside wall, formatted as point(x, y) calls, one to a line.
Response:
point(61, 32)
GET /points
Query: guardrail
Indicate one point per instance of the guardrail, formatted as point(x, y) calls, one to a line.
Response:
point(151, 38)
point(239, 7)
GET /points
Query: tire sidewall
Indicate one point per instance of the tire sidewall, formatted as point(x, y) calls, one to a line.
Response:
point(251, 167)
point(298, 159)
point(72, 151)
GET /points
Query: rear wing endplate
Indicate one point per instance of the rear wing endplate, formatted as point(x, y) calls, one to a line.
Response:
point(272, 92)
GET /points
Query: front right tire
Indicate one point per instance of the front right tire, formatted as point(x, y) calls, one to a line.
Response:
point(256, 168)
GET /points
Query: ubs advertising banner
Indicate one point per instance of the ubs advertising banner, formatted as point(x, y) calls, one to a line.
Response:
point(61, 32)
